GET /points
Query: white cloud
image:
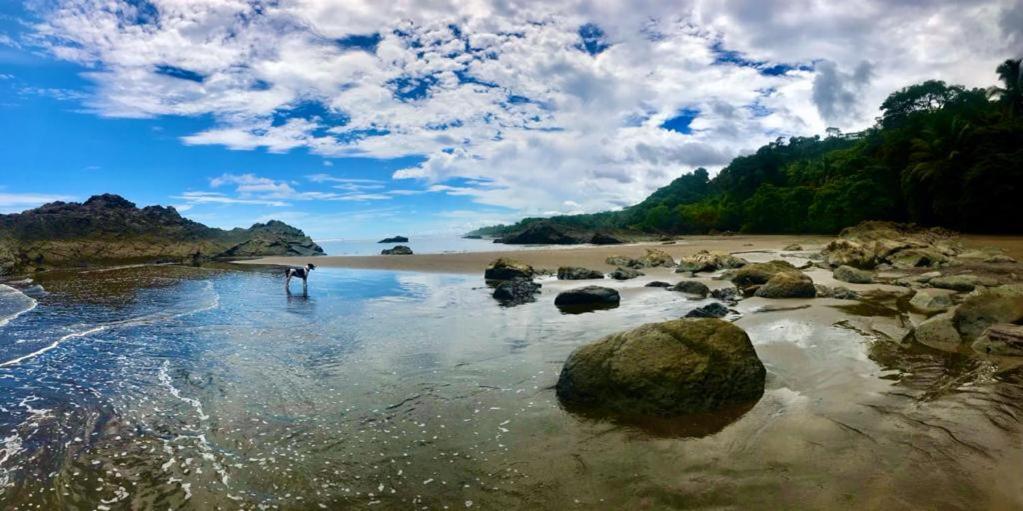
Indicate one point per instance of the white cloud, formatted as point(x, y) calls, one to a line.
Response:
point(507, 96)
point(15, 202)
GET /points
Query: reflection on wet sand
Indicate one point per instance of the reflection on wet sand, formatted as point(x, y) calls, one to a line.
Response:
point(400, 390)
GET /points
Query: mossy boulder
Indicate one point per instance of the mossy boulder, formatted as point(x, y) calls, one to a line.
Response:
point(665, 369)
point(788, 284)
point(709, 261)
point(1003, 304)
point(853, 275)
point(752, 275)
point(692, 287)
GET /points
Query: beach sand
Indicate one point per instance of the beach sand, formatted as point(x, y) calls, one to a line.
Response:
point(550, 257)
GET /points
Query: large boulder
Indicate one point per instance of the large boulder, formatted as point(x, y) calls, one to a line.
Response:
point(853, 275)
point(709, 261)
point(931, 300)
point(692, 287)
point(666, 369)
point(516, 291)
point(1001, 339)
point(788, 284)
point(625, 274)
point(939, 332)
point(1003, 304)
point(508, 269)
point(589, 295)
point(397, 250)
point(578, 273)
point(752, 275)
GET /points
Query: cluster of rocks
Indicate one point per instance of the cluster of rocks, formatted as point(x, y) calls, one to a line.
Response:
point(512, 282)
point(706, 261)
point(988, 321)
point(653, 258)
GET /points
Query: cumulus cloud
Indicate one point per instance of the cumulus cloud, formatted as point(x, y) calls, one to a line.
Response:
point(535, 106)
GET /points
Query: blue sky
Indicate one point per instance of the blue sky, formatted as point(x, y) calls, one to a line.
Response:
point(353, 119)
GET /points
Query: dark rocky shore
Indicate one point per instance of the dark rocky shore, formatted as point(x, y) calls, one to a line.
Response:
point(108, 229)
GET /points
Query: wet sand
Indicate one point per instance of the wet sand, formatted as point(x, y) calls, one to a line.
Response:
point(550, 257)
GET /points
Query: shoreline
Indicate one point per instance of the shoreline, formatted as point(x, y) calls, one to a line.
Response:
point(590, 256)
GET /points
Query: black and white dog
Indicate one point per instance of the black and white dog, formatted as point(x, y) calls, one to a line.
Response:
point(302, 273)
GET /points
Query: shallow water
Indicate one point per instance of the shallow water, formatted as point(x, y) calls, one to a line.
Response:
point(197, 388)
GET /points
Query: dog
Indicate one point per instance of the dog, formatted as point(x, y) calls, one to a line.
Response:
point(302, 273)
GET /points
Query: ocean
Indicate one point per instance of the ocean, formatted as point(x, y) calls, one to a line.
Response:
point(175, 387)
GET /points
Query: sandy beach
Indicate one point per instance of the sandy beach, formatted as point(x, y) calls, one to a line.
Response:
point(550, 257)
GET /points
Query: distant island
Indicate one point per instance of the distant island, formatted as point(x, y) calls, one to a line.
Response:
point(108, 229)
point(395, 239)
point(939, 155)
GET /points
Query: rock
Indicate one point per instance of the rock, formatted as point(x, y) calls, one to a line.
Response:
point(961, 283)
point(516, 291)
point(602, 238)
point(667, 369)
point(397, 250)
point(623, 261)
point(725, 294)
point(757, 274)
point(589, 295)
point(1000, 259)
point(655, 258)
point(625, 274)
point(853, 275)
point(844, 293)
point(657, 283)
point(108, 229)
point(938, 332)
point(823, 291)
point(577, 273)
point(472, 237)
point(931, 300)
point(795, 247)
point(1001, 339)
point(508, 269)
point(917, 258)
point(542, 233)
point(709, 261)
point(691, 287)
point(711, 310)
point(788, 284)
point(1003, 304)
point(395, 239)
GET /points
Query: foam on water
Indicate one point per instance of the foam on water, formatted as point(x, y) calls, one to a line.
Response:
point(14, 303)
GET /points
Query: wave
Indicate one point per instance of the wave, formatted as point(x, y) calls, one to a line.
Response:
point(213, 303)
point(14, 303)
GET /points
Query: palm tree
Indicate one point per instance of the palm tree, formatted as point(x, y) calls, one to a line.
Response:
point(1011, 95)
point(935, 165)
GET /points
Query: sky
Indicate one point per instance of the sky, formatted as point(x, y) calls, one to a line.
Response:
point(352, 119)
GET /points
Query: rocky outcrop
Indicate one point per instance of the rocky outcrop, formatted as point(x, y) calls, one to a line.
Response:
point(691, 287)
point(870, 244)
point(603, 238)
point(108, 229)
point(853, 275)
point(395, 239)
point(655, 258)
point(664, 369)
point(625, 274)
point(543, 233)
point(709, 261)
point(578, 273)
point(1003, 304)
point(508, 269)
point(397, 250)
point(961, 283)
point(1001, 339)
point(589, 295)
point(516, 291)
point(623, 261)
point(787, 284)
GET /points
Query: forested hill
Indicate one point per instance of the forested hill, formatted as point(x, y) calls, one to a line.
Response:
point(939, 154)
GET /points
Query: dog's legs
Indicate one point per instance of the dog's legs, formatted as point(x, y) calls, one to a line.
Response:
point(287, 284)
point(305, 286)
